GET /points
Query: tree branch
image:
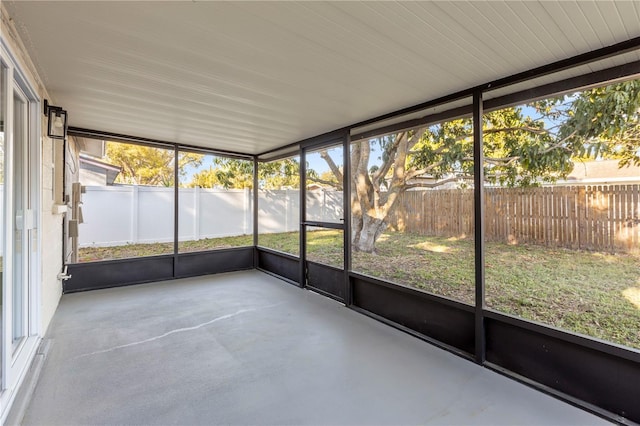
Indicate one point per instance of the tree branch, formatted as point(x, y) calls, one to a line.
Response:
point(424, 170)
point(415, 138)
point(332, 165)
point(360, 177)
point(330, 183)
point(535, 130)
point(386, 165)
point(437, 183)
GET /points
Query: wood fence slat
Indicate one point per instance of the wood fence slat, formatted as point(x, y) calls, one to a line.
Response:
point(628, 215)
point(635, 218)
point(562, 231)
point(547, 217)
point(619, 218)
point(537, 217)
point(534, 217)
point(628, 219)
point(613, 202)
point(525, 216)
point(555, 211)
point(566, 233)
point(595, 217)
point(597, 226)
point(607, 217)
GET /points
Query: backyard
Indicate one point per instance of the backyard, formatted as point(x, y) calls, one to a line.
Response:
point(592, 293)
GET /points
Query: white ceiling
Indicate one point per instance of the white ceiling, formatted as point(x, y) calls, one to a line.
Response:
point(252, 76)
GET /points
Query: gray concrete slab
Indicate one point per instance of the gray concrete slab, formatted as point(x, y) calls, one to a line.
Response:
point(247, 348)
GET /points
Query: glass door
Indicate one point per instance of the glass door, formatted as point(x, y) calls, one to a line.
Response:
point(4, 71)
point(323, 220)
point(22, 218)
point(19, 245)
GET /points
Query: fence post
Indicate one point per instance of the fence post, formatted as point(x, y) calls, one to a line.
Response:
point(197, 213)
point(324, 205)
point(134, 214)
point(582, 218)
point(293, 210)
point(248, 215)
point(287, 210)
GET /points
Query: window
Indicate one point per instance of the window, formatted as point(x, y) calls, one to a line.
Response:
point(562, 230)
point(279, 205)
point(412, 208)
point(324, 205)
point(215, 202)
point(128, 204)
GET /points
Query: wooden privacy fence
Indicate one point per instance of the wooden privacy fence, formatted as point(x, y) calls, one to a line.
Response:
point(594, 217)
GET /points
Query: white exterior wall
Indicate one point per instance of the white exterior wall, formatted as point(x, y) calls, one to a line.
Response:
point(45, 289)
point(50, 224)
point(51, 239)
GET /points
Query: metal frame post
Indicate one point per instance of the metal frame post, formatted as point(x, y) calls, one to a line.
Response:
point(255, 212)
point(176, 195)
point(478, 190)
point(346, 212)
point(303, 217)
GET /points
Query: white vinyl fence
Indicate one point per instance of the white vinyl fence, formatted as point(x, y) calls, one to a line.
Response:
point(119, 215)
point(279, 210)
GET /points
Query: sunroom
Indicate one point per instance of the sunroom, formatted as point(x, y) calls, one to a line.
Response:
point(213, 209)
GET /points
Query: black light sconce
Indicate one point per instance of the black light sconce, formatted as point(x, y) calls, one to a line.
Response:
point(57, 118)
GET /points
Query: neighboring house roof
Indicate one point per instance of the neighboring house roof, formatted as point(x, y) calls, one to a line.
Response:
point(603, 171)
point(110, 171)
point(94, 148)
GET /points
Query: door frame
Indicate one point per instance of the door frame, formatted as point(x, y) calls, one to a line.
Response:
point(15, 361)
point(343, 293)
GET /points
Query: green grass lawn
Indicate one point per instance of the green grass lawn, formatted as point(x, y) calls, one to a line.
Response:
point(596, 294)
point(91, 254)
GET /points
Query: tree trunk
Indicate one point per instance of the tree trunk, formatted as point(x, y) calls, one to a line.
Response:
point(368, 234)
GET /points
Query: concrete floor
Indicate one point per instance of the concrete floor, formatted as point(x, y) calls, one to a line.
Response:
point(247, 348)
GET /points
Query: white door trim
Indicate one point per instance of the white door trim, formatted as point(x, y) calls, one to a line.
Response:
point(15, 363)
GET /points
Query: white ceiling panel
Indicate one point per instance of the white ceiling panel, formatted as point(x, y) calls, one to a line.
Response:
point(253, 76)
point(603, 64)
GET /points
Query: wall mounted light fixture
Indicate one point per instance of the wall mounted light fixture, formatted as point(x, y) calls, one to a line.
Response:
point(57, 121)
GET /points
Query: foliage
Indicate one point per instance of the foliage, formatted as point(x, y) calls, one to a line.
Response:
point(231, 173)
point(605, 122)
point(329, 178)
point(325, 179)
point(226, 173)
point(524, 150)
point(145, 165)
point(519, 150)
point(279, 174)
point(525, 145)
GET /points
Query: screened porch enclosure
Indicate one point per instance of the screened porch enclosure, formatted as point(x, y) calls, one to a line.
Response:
point(340, 213)
point(419, 225)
